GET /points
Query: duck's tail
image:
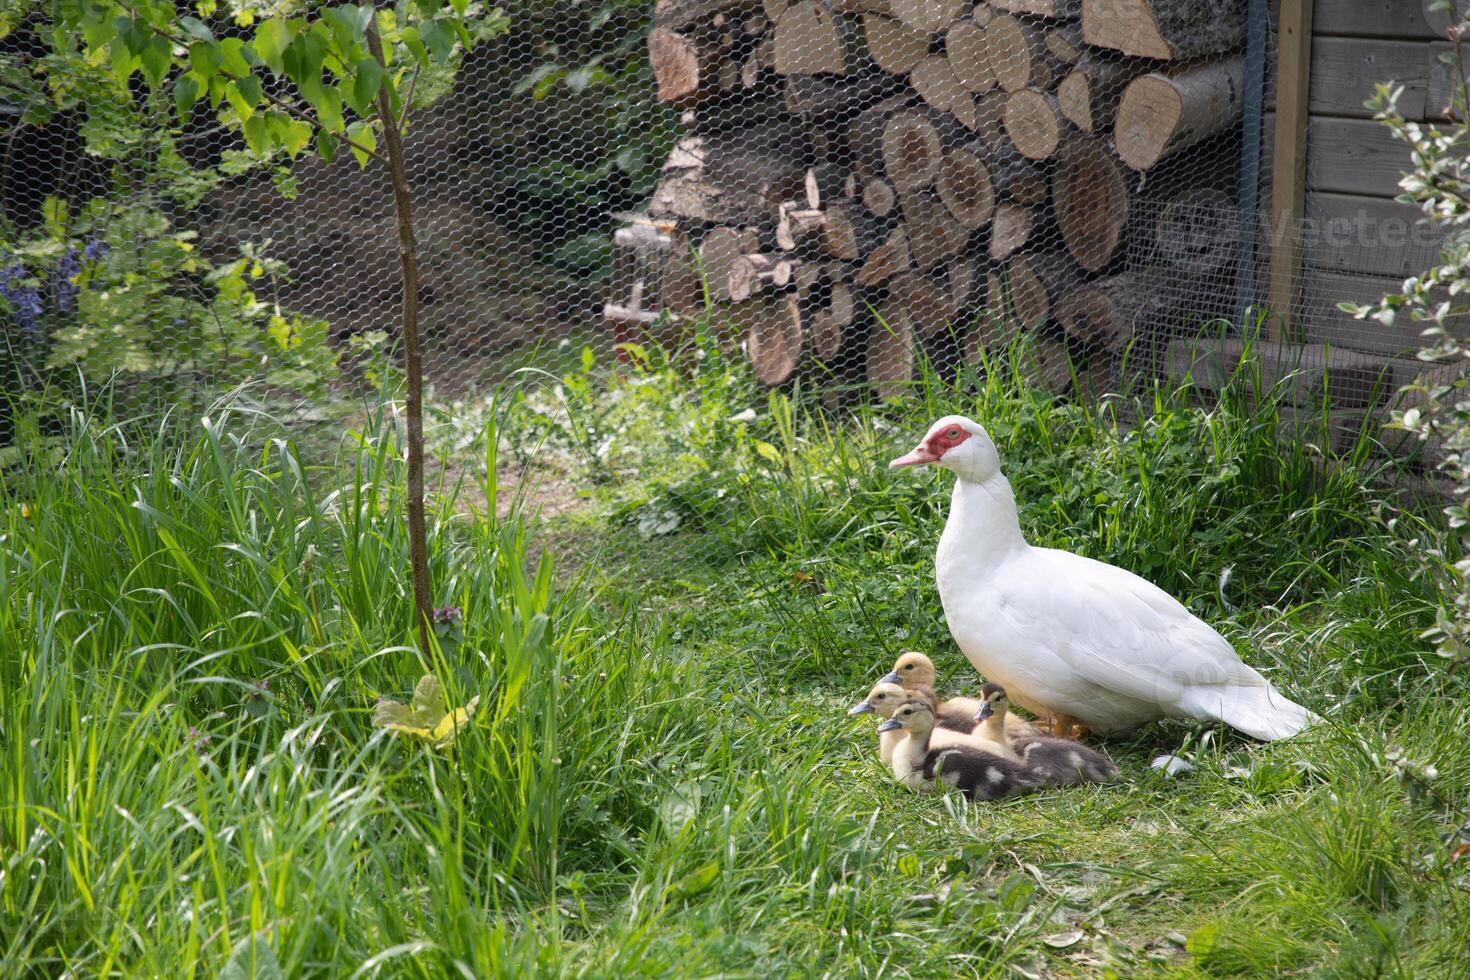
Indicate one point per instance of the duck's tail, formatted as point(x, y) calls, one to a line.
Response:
point(1259, 710)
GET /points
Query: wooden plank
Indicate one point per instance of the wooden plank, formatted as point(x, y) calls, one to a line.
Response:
point(1289, 159)
point(1326, 324)
point(1441, 82)
point(1306, 373)
point(1349, 156)
point(1345, 71)
point(1370, 235)
point(1372, 18)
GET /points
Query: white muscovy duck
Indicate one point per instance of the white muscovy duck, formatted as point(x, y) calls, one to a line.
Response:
point(1069, 636)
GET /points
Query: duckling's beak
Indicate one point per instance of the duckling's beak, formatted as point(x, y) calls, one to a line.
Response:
point(985, 712)
point(892, 724)
point(891, 678)
point(918, 457)
point(861, 708)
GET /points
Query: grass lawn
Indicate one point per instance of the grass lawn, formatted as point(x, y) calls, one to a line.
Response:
point(198, 618)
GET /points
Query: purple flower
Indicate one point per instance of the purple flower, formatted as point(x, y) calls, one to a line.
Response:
point(67, 272)
point(95, 250)
point(25, 301)
point(446, 614)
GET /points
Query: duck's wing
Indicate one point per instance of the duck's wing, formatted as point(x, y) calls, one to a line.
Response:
point(1127, 635)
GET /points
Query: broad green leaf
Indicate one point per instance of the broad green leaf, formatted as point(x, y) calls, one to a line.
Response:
point(415, 44)
point(679, 807)
point(437, 39)
point(157, 57)
point(196, 28)
point(186, 92)
point(700, 880)
point(327, 103)
point(205, 56)
point(768, 451)
point(427, 716)
point(258, 134)
point(368, 78)
point(232, 57)
point(271, 40)
point(252, 959)
point(249, 88)
point(365, 139)
point(326, 146)
point(291, 134)
point(244, 108)
point(55, 216)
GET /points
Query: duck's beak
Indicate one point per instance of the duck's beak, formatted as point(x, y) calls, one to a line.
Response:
point(892, 724)
point(891, 678)
point(861, 708)
point(920, 456)
point(985, 712)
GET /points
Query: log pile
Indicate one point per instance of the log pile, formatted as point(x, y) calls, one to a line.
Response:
point(861, 182)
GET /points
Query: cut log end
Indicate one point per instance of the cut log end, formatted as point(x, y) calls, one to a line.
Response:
point(774, 338)
point(1033, 124)
point(1091, 197)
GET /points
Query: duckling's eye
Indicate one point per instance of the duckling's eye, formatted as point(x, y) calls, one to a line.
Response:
point(908, 666)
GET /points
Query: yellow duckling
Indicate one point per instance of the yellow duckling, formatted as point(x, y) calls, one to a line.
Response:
point(952, 728)
point(916, 673)
point(1056, 761)
point(918, 763)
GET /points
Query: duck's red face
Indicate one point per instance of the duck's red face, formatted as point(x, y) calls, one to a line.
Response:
point(934, 446)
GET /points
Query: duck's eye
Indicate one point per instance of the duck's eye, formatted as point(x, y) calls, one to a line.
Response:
point(908, 666)
point(953, 433)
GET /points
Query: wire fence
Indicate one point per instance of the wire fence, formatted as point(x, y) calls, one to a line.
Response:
point(839, 191)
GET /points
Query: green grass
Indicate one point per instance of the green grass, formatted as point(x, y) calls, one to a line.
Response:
point(197, 617)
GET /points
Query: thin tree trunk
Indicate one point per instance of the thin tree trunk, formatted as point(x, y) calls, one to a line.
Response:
point(413, 355)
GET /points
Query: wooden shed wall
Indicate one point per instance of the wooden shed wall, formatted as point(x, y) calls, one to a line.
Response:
point(1357, 241)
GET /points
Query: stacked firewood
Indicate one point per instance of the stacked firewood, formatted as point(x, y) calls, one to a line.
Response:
point(859, 181)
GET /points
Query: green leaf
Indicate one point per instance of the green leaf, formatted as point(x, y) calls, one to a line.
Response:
point(271, 40)
point(157, 57)
point(186, 92)
point(349, 26)
point(326, 146)
point(249, 88)
point(679, 807)
point(232, 57)
point(768, 451)
point(205, 56)
point(244, 108)
point(698, 881)
point(368, 79)
point(252, 959)
point(258, 134)
point(291, 134)
point(1203, 941)
point(415, 45)
point(54, 215)
point(438, 40)
point(196, 28)
point(362, 134)
point(326, 101)
point(908, 866)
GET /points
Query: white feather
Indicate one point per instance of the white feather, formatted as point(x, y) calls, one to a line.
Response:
point(1069, 635)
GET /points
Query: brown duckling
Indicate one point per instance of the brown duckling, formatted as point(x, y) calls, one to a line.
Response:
point(919, 764)
point(1058, 761)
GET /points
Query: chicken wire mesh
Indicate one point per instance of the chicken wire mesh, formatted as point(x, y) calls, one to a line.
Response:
point(838, 191)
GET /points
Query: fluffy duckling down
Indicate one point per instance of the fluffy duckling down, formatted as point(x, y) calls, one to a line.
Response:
point(916, 673)
point(951, 728)
point(919, 764)
point(1056, 761)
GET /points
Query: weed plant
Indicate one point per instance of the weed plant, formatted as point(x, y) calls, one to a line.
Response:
point(197, 616)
